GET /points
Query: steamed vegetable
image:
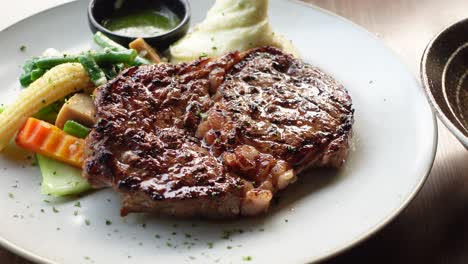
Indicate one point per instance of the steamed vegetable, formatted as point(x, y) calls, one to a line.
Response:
point(36, 67)
point(145, 50)
point(96, 75)
point(76, 129)
point(49, 113)
point(36, 74)
point(105, 57)
point(57, 83)
point(79, 108)
point(60, 179)
point(52, 61)
point(46, 139)
point(25, 78)
point(105, 42)
point(230, 25)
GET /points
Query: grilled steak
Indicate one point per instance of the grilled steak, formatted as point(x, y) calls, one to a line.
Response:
point(217, 137)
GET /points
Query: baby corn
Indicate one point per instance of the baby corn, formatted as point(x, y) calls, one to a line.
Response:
point(57, 83)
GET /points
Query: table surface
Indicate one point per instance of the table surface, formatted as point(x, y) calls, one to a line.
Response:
point(433, 228)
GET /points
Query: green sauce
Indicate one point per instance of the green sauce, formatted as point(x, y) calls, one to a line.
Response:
point(142, 23)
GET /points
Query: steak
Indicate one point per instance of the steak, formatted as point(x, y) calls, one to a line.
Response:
point(215, 138)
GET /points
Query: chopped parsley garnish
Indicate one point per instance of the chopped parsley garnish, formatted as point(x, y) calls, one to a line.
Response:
point(247, 258)
point(203, 116)
point(108, 222)
point(226, 234)
point(210, 244)
point(77, 204)
point(22, 48)
point(87, 222)
point(11, 195)
point(291, 149)
point(55, 210)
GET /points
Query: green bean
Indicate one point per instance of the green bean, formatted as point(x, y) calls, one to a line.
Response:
point(50, 112)
point(50, 62)
point(104, 42)
point(124, 56)
point(141, 61)
point(2, 108)
point(36, 74)
point(96, 75)
point(119, 67)
point(109, 71)
point(25, 79)
point(76, 129)
point(30, 65)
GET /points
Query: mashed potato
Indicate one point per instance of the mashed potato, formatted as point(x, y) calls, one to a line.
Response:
point(230, 25)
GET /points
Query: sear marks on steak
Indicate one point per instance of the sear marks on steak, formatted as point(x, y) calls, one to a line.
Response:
point(282, 107)
point(215, 138)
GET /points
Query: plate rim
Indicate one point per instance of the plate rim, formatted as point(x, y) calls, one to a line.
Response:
point(30, 255)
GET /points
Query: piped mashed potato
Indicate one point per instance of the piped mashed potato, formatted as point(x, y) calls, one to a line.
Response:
point(230, 25)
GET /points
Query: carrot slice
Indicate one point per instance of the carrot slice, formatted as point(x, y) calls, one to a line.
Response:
point(46, 139)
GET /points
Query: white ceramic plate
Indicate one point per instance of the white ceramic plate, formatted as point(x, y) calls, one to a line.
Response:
point(324, 213)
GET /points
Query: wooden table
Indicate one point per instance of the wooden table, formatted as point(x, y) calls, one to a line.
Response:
point(434, 228)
